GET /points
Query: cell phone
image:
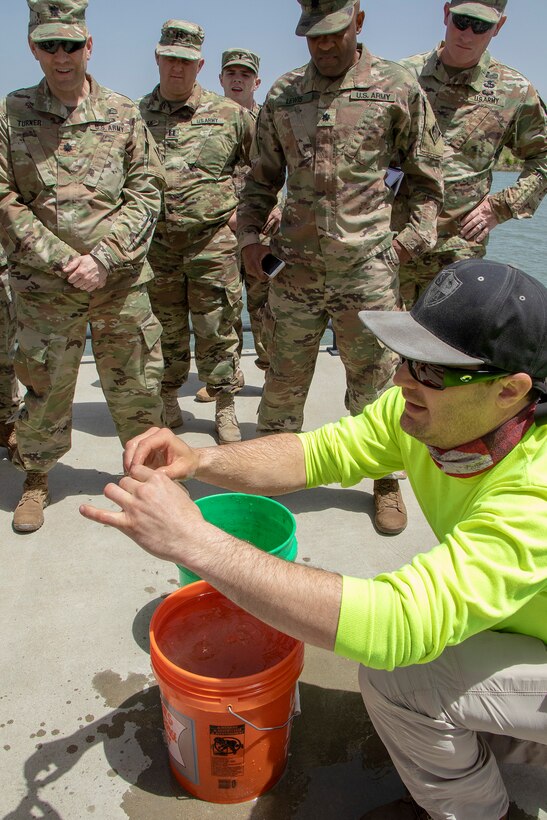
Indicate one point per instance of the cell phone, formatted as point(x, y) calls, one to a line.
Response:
point(271, 265)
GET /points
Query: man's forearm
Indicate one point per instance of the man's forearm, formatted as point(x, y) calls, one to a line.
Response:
point(272, 465)
point(299, 600)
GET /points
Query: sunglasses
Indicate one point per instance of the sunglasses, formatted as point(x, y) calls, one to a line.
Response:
point(463, 22)
point(438, 377)
point(68, 46)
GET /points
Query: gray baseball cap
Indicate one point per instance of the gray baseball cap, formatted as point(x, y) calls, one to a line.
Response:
point(324, 17)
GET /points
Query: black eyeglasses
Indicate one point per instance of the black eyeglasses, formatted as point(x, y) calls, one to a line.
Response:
point(68, 46)
point(463, 22)
point(438, 377)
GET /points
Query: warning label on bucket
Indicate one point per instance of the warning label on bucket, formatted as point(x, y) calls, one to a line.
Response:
point(227, 750)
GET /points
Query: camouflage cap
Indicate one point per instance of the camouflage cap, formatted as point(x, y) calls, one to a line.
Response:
point(240, 56)
point(57, 20)
point(324, 17)
point(179, 38)
point(488, 10)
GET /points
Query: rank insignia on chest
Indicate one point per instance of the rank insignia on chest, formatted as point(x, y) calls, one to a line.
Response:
point(328, 118)
point(435, 133)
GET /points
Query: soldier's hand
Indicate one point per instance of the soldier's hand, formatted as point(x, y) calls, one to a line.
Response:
point(477, 224)
point(252, 256)
point(401, 252)
point(272, 223)
point(161, 450)
point(86, 273)
point(232, 222)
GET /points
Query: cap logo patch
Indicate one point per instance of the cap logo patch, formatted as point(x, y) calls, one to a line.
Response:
point(442, 288)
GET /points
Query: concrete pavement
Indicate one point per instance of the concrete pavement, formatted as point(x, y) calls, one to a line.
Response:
point(80, 722)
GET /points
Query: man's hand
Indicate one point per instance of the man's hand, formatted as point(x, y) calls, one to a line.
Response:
point(232, 222)
point(86, 273)
point(401, 252)
point(477, 224)
point(155, 512)
point(160, 449)
point(273, 222)
point(252, 256)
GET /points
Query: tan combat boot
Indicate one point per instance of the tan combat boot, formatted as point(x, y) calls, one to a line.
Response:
point(7, 437)
point(173, 416)
point(226, 424)
point(210, 393)
point(29, 513)
point(390, 512)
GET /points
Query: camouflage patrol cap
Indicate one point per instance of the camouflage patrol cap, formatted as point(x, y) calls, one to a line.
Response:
point(240, 56)
point(488, 10)
point(179, 38)
point(57, 20)
point(324, 17)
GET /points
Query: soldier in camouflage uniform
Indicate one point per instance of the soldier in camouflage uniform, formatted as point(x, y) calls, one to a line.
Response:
point(481, 106)
point(201, 137)
point(80, 191)
point(334, 127)
point(239, 80)
point(9, 389)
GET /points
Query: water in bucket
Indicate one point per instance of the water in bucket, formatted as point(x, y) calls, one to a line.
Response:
point(229, 692)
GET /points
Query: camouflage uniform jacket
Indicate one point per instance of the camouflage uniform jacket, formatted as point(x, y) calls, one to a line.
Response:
point(335, 140)
point(480, 110)
point(243, 167)
point(201, 142)
point(86, 181)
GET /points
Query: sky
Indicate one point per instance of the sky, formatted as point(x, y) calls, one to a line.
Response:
point(125, 33)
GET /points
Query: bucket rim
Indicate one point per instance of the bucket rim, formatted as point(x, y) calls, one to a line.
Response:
point(267, 498)
point(275, 671)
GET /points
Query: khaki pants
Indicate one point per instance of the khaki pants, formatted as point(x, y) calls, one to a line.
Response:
point(447, 723)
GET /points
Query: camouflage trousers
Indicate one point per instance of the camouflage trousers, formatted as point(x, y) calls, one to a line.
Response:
point(302, 299)
point(125, 338)
point(9, 389)
point(415, 276)
point(203, 283)
point(256, 291)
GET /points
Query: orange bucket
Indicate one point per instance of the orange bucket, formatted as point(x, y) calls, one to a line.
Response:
point(229, 692)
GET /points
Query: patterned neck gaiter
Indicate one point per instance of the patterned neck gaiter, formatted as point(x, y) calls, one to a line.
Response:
point(480, 455)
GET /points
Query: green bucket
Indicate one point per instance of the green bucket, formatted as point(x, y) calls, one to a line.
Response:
point(261, 521)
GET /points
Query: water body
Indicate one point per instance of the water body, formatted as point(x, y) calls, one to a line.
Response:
point(520, 242)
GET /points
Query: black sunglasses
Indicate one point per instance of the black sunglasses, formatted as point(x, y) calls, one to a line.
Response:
point(68, 46)
point(463, 22)
point(438, 377)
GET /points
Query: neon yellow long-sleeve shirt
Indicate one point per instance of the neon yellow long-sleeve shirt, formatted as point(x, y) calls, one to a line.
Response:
point(489, 570)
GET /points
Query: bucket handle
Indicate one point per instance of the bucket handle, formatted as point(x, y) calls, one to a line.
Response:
point(296, 712)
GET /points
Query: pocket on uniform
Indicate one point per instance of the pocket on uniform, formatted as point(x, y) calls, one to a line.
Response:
point(152, 357)
point(370, 136)
point(32, 354)
point(213, 148)
point(106, 170)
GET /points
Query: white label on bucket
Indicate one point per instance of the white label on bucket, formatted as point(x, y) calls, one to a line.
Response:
point(180, 734)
